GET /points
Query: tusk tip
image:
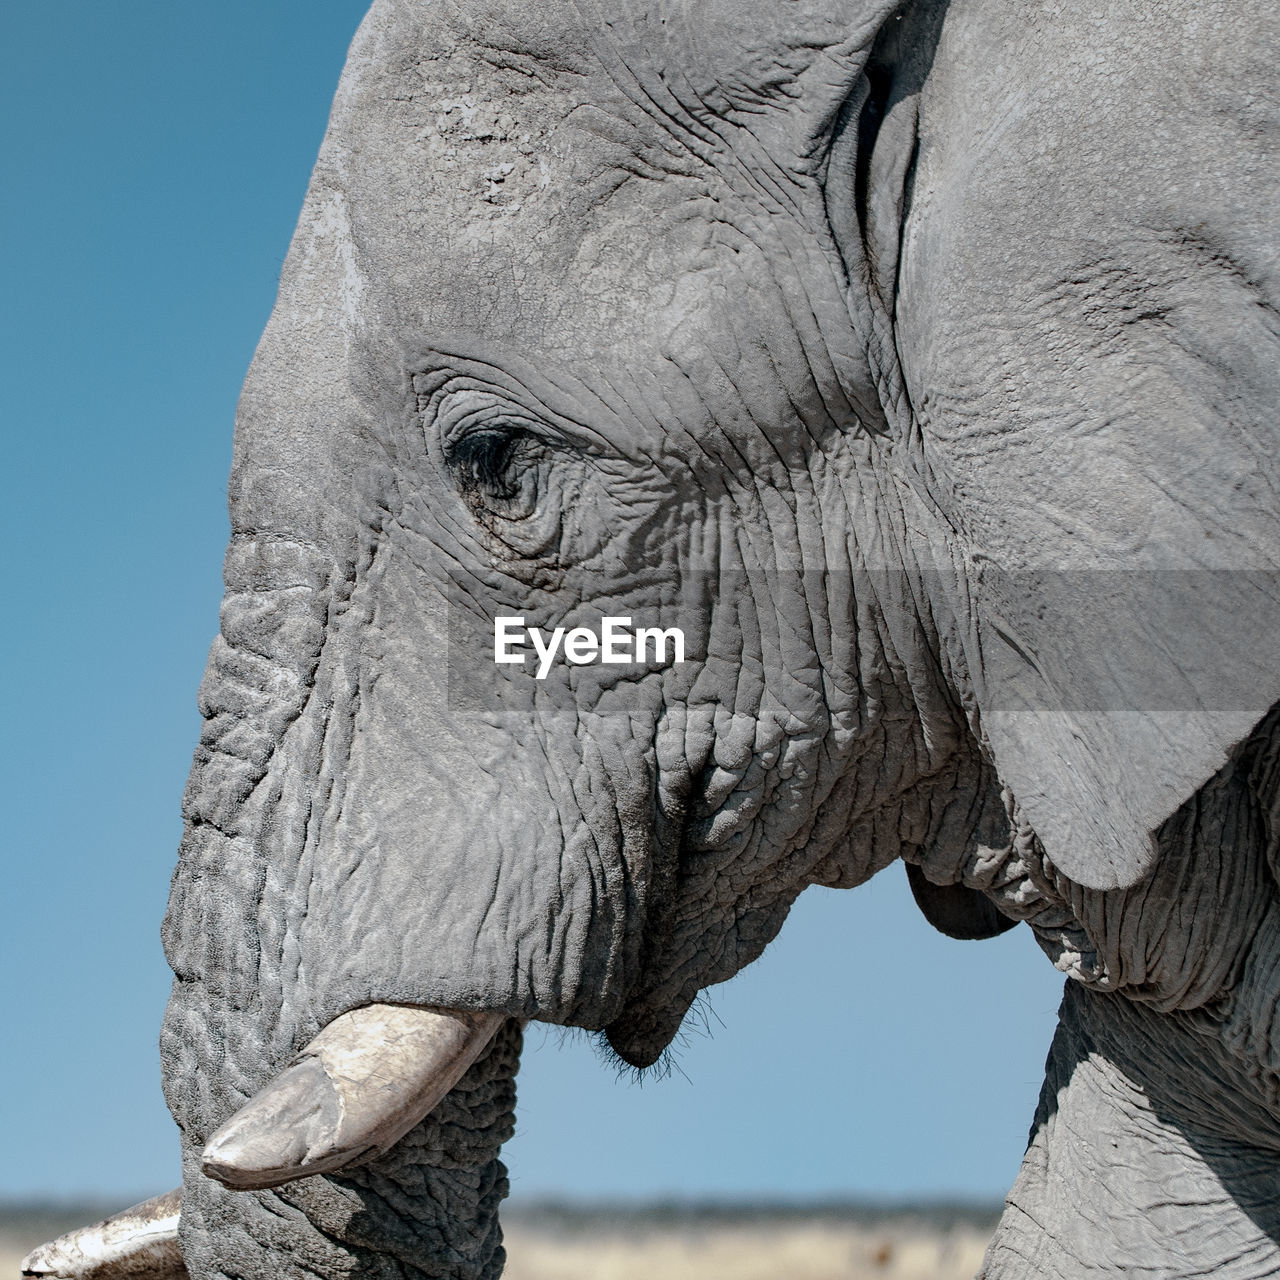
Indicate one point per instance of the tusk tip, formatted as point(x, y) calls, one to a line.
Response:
point(358, 1088)
point(287, 1131)
point(40, 1262)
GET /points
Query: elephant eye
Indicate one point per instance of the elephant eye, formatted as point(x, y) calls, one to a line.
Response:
point(498, 470)
point(483, 463)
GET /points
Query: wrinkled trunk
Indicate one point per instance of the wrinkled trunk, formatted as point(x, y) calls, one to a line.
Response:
point(262, 959)
point(244, 998)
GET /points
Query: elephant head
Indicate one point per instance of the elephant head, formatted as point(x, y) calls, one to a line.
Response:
point(917, 365)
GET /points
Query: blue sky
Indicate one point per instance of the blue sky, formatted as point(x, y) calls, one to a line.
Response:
point(155, 157)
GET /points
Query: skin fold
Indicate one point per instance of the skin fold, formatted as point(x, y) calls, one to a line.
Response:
point(920, 364)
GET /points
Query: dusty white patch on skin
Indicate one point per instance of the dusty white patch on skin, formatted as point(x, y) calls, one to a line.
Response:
point(471, 137)
point(331, 241)
point(447, 106)
point(481, 137)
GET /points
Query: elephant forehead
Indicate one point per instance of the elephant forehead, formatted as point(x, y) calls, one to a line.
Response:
point(515, 181)
point(717, 56)
point(484, 185)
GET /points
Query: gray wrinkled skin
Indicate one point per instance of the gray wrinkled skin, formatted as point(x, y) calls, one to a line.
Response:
point(921, 364)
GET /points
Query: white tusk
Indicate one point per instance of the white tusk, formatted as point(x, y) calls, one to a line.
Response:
point(139, 1244)
point(352, 1093)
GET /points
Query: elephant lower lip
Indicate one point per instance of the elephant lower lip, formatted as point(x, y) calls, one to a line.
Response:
point(368, 1078)
point(645, 1028)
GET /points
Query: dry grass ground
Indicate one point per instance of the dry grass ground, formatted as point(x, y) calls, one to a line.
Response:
point(791, 1252)
point(546, 1245)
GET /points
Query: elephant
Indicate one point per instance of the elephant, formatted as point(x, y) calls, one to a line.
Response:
point(915, 365)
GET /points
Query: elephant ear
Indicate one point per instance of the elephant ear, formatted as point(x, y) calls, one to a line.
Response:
point(1091, 371)
point(1109, 697)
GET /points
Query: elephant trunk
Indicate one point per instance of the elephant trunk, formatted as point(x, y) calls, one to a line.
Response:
point(244, 998)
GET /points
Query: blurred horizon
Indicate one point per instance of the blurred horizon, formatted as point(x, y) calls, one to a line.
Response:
point(558, 1241)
